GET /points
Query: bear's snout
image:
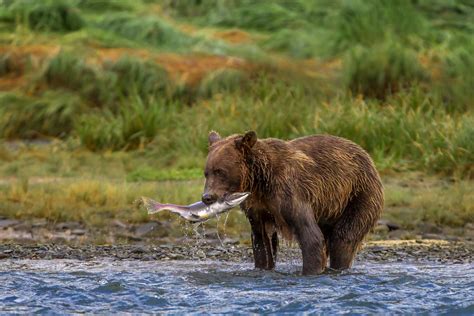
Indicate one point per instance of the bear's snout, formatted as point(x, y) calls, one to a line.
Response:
point(208, 198)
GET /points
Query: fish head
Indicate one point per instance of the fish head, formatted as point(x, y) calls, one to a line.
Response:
point(235, 199)
point(226, 166)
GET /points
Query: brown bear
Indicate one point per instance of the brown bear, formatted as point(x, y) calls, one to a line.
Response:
point(323, 190)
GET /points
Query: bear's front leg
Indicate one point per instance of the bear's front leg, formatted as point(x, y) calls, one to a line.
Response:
point(264, 239)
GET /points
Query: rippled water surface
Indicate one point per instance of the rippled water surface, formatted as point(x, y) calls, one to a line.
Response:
point(66, 286)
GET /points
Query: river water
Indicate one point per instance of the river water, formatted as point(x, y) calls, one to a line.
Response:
point(176, 287)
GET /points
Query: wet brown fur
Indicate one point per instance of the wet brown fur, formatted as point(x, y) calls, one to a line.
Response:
point(323, 190)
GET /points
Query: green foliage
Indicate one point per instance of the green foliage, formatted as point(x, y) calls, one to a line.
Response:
point(147, 29)
point(47, 15)
point(135, 124)
point(297, 44)
point(382, 70)
point(6, 64)
point(133, 76)
point(263, 16)
point(194, 8)
point(370, 22)
point(146, 173)
point(106, 85)
point(457, 79)
point(223, 80)
point(69, 71)
point(409, 131)
point(106, 5)
point(52, 114)
point(411, 117)
point(266, 15)
point(455, 149)
point(448, 15)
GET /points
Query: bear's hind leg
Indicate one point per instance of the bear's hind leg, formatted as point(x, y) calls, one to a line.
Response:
point(264, 240)
point(311, 241)
point(349, 231)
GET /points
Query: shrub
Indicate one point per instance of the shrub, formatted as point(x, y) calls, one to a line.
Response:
point(106, 5)
point(52, 114)
point(134, 76)
point(457, 80)
point(223, 80)
point(6, 64)
point(148, 29)
point(69, 71)
point(370, 22)
point(382, 70)
point(298, 44)
point(262, 16)
point(48, 15)
point(134, 125)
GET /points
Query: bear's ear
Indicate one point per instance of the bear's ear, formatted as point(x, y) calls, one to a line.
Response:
point(247, 141)
point(213, 137)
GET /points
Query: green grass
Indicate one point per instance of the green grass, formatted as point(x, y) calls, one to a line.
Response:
point(95, 202)
point(135, 124)
point(48, 15)
point(7, 64)
point(146, 173)
point(147, 29)
point(222, 81)
point(370, 22)
point(382, 70)
point(50, 115)
point(295, 43)
point(412, 201)
point(67, 70)
point(457, 79)
point(394, 76)
point(133, 76)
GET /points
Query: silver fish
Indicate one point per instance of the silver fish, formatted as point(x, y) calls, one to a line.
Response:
point(196, 212)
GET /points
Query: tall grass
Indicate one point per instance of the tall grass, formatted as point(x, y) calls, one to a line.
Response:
point(47, 15)
point(52, 114)
point(409, 131)
point(7, 65)
point(382, 70)
point(134, 125)
point(222, 81)
point(133, 76)
point(410, 116)
point(457, 79)
point(370, 22)
point(106, 5)
point(296, 43)
point(104, 85)
point(67, 70)
point(150, 30)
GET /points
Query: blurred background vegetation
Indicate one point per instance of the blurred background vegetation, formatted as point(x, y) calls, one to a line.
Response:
point(127, 90)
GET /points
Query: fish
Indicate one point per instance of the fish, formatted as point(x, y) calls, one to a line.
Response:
point(196, 212)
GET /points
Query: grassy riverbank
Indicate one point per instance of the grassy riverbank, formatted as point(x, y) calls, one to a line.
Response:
point(103, 206)
point(104, 101)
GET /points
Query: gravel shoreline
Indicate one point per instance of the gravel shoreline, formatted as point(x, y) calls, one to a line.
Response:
point(376, 251)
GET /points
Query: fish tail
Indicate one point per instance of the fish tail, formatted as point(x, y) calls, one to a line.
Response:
point(149, 204)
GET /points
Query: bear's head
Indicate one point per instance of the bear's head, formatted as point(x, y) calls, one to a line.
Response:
point(226, 165)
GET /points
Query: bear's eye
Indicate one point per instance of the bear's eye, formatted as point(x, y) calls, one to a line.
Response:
point(219, 172)
point(206, 174)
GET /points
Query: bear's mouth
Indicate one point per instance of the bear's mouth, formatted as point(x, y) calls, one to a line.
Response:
point(223, 197)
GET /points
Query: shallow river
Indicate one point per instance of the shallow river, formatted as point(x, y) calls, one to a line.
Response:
point(69, 286)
